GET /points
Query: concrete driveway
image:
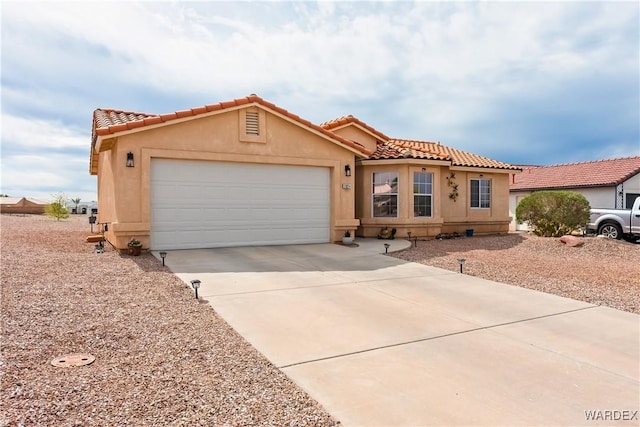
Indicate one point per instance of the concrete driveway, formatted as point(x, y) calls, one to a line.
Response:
point(381, 341)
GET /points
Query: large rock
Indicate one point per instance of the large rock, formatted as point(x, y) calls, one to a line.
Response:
point(572, 241)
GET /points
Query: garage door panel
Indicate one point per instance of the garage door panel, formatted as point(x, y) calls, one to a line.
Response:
point(198, 204)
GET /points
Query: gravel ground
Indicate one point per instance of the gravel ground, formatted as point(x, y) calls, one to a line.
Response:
point(161, 358)
point(602, 271)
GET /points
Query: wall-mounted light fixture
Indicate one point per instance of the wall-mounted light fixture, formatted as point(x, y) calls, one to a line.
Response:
point(129, 159)
point(347, 170)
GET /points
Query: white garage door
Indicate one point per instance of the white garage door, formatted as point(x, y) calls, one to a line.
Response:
point(199, 204)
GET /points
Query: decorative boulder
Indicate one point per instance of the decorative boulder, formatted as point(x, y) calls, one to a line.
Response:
point(572, 241)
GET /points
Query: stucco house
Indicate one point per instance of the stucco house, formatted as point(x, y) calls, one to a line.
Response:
point(609, 183)
point(22, 205)
point(247, 172)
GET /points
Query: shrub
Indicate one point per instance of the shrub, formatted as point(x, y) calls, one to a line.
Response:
point(554, 213)
point(58, 208)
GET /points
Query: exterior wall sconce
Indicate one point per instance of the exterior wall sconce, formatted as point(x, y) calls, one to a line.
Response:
point(129, 159)
point(195, 284)
point(347, 170)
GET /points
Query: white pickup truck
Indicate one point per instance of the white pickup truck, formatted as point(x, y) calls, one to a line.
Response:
point(616, 223)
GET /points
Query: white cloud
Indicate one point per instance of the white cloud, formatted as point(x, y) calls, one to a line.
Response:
point(29, 133)
point(445, 71)
point(40, 157)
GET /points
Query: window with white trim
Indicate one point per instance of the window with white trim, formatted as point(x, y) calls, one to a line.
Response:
point(481, 193)
point(385, 194)
point(422, 194)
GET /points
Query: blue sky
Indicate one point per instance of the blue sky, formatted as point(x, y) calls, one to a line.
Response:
point(523, 83)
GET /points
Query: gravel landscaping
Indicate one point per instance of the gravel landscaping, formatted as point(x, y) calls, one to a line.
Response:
point(602, 271)
point(161, 357)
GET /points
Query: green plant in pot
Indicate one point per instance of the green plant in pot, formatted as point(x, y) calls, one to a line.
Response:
point(135, 247)
point(347, 240)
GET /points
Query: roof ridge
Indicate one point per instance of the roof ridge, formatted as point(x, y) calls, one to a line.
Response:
point(114, 110)
point(103, 129)
point(591, 161)
point(343, 120)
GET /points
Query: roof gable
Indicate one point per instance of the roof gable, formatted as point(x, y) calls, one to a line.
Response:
point(108, 122)
point(349, 120)
point(597, 173)
point(390, 148)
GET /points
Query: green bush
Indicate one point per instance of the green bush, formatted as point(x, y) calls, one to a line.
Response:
point(58, 208)
point(554, 213)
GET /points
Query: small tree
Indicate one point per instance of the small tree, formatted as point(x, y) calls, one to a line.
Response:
point(554, 213)
point(58, 208)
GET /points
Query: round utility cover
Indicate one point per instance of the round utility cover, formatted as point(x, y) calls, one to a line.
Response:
point(73, 360)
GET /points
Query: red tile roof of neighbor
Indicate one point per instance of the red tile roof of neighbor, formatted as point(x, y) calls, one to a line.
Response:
point(575, 175)
point(107, 122)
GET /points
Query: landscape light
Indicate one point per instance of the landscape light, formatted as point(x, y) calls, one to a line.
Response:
point(195, 284)
point(386, 248)
point(163, 254)
point(461, 262)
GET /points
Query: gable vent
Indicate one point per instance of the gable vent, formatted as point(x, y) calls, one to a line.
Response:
point(252, 123)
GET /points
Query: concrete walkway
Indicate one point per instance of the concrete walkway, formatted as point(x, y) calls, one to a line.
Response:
point(381, 341)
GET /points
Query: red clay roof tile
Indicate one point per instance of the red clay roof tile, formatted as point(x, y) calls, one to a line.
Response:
point(111, 121)
point(345, 120)
point(597, 173)
point(403, 148)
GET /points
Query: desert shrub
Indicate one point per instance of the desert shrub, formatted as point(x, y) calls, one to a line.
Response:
point(554, 213)
point(58, 208)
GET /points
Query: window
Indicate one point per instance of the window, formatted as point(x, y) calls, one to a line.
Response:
point(480, 193)
point(631, 198)
point(422, 193)
point(385, 194)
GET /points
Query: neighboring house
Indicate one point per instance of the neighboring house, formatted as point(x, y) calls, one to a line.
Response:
point(84, 208)
point(22, 205)
point(247, 172)
point(611, 183)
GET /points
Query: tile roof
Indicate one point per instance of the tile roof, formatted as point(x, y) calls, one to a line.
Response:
point(345, 120)
point(107, 122)
point(403, 149)
point(575, 175)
